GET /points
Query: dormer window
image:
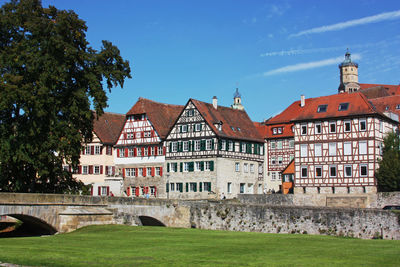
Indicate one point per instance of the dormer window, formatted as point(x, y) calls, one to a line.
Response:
point(233, 128)
point(387, 108)
point(190, 112)
point(277, 130)
point(322, 108)
point(238, 128)
point(398, 106)
point(218, 126)
point(343, 106)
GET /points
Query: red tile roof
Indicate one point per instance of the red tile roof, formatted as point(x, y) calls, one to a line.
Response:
point(244, 128)
point(289, 168)
point(286, 131)
point(379, 89)
point(108, 127)
point(358, 105)
point(388, 103)
point(289, 113)
point(162, 116)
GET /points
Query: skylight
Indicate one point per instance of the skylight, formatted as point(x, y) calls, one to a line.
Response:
point(322, 108)
point(343, 106)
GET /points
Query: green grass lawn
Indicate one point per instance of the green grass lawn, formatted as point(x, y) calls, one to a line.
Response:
point(119, 245)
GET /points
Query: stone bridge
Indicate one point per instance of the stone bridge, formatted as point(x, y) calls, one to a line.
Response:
point(53, 213)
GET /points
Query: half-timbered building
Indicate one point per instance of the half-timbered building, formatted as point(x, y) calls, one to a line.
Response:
point(96, 165)
point(140, 150)
point(338, 141)
point(213, 151)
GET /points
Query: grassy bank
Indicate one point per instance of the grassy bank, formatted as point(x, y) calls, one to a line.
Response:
point(118, 245)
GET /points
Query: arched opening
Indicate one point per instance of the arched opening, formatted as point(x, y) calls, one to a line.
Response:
point(29, 226)
point(150, 221)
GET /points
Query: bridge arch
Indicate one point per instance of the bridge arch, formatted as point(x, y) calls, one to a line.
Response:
point(32, 226)
point(150, 221)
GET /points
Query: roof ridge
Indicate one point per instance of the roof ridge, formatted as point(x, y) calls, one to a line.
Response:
point(156, 102)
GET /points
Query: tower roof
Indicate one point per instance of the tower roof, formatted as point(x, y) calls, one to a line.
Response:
point(237, 94)
point(347, 60)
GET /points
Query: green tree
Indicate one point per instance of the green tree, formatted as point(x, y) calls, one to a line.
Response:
point(49, 78)
point(388, 174)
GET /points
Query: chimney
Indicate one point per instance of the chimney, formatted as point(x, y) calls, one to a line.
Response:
point(215, 102)
point(302, 101)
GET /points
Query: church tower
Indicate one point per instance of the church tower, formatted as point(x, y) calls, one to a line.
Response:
point(237, 101)
point(348, 75)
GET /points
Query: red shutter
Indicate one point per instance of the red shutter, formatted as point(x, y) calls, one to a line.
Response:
point(108, 190)
point(155, 150)
point(144, 172)
point(128, 191)
point(125, 136)
point(101, 150)
point(137, 191)
point(149, 150)
point(69, 168)
point(155, 191)
point(99, 190)
point(126, 152)
point(123, 172)
point(117, 152)
point(152, 171)
point(136, 172)
point(152, 133)
point(142, 150)
point(91, 190)
point(147, 189)
point(90, 169)
point(164, 150)
point(91, 150)
point(160, 171)
point(101, 169)
point(135, 152)
point(111, 150)
point(106, 170)
point(142, 134)
point(113, 170)
point(79, 169)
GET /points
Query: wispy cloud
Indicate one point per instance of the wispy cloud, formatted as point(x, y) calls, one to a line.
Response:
point(292, 52)
point(277, 10)
point(351, 23)
point(308, 65)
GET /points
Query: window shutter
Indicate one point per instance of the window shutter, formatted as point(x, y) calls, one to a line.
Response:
point(180, 128)
point(170, 147)
point(167, 187)
point(99, 190)
point(91, 190)
point(152, 133)
point(101, 169)
point(113, 170)
point(201, 126)
point(142, 148)
point(142, 134)
point(125, 136)
point(155, 191)
point(107, 170)
point(167, 167)
point(181, 166)
point(161, 171)
point(136, 172)
point(200, 187)
point(219, 144)
point(137, 192)
point(187, 187)
point(155, 150)
point(202, 145)
point(212, 165)
point(90, 169)
point(128, 191)
point(123, 172)
point(190, 145)
point(202, 165)
point(126, 152)
point(191, 166)
point(91, 150)
point(212, 144)
point(152, 171)
point(108, 190)
point(135, 152)
point(144, 172)
point(111, 150)
point(180, 146)
point(149, 150)
point(240, 146)
point(164, 150)
point(117, 152)
point(79, 169)
point(209, 186)
point(195, 187)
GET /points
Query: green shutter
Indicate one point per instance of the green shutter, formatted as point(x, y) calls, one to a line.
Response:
point(219, 144)
point(200, 187)
point(209, 186)
point(187, 187)
point(167, 167)
point(212, 165)
point(212, 144)
point(180, 128)
point(202, 145)
point(234, 146)
point(181, 187)
point(170, 147)
point(191, 166)
point(167, 187)
point(181, 166)
point(190, 145)
point(202, 165)
point(201, 126)
point(240, 147)
point(195, 187)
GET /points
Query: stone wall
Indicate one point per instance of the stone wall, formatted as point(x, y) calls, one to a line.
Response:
point(360, 223)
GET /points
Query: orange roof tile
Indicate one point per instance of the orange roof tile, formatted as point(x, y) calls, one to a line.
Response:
point(243, 127)
point(108, 126)
point(379, 89)
point(388, 103)
point(289, 168)
point(162, 116)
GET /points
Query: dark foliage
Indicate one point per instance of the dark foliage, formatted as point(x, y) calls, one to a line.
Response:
point(388, 174)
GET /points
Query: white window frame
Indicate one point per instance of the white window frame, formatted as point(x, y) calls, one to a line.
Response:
point(174, 146)
point(229, 188)
point(208, 144)
point(318, 167)
point(347, 150)
point(97, 150)
point(318, 150)
point(361, 166)
point(185, 145)
point(279, 144)
point(347, 122)
point(197, 166)
point(148, 171)
point(237, 166)
point(303, 150)
point(186, 166)
point(223, 145)
point(230, 146)
point(303, 129)
point(207, 165)
point(330, 169)
point(252, 168)
point(318, 128)
point(85, 169)
point(280, 160)
point(301, 171)
point(330, 126)
point(184, 128)
point(96, 169)
point(345, 171)
point(273, 160)
point(332, 147)
point(291, 143)
point(245, 167)
point(362, 129)
point(273, 145)
point(362, 147)
point(197, 127)
point(197, 145)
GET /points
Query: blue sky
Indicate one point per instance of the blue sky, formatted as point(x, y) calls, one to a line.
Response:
point(273, 51)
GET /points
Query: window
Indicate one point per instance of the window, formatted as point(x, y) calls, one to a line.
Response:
point(280, 160)
point(87, 150)
point(304, 171)
point(274, 130)
point(233, 128)
point(96, 169)
point(238, 128)
point(303, 129)
point(280, 130)
point(84, 169)
point(332, 149)
point(97, 150)
point(332, 127)
point(135, 171)
point(174, 167)
point(197, 166)
point(332, 171)
point(190, 112)
point(197, 127)
point(197, 145)
point(229, 188)
point(273, 161)
point(318, 128)
point(318, 150)
point(381, 126)
point(223, 145)
point(148, 172)
point(104, 190)
point(318, 171)
point(186, 166)
point(109, 150)
point(172, 187)
point(273, 145)
point(363, 170)
point(397, 106)
point(362, 147)
point(237, 166)
point(184, 128)
point(179, 187)
point(147, 134)
point(152, 150)
point(139, 151)
point(279, 145)
point(140, 172)
point(130, 135)
point(363, 125)
point(245, 167)
point(243, 147)
point(207, 186)
point(130, 152)
point(348, 171)
point(273, 176)
point(252, 168)
point(343, 106)
point(347, 148)
point(138, 135)
point(185, 146)
point(322, 108)
point(291, 143)
point(207, 165)
point(347, 126)
point(242, 188)
point(208, 144)
point(193, 187)
point(174, 146)
point(260, 168)
point(303, 150)
point(230, 147)
point(146, 151)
